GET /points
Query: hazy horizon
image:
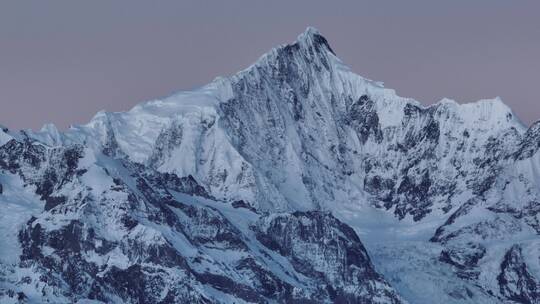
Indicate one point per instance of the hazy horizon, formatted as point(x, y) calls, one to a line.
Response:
point(63, 61)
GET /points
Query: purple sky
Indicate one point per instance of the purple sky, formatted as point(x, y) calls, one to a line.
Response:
point(62, 61)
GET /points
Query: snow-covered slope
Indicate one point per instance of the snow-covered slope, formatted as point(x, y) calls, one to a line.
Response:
point(262, 186)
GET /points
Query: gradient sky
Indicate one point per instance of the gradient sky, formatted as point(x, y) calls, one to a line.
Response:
point(62, 61)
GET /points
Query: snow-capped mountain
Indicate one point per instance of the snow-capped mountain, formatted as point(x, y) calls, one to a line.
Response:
point(293, 181)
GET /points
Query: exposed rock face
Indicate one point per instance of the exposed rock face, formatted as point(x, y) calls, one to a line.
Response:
point(276, 184)
point(321, 247)
point(515, 281)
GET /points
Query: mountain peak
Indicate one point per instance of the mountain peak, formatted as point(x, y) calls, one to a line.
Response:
point(309, 32)
point(311, 37)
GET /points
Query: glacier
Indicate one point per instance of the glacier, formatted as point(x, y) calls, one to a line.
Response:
point(293, 181)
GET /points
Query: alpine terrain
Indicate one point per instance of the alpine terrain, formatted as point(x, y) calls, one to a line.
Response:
point(293, 181)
